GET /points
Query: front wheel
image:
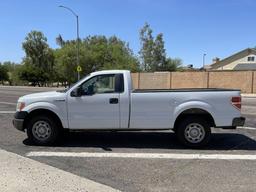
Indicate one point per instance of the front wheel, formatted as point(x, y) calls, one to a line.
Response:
point(193, 132)
point(43, 130)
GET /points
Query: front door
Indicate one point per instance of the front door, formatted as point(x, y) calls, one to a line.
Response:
point(98, 107)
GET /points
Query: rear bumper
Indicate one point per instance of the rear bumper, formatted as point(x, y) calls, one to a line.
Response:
point(238, 121)
point(18, 121)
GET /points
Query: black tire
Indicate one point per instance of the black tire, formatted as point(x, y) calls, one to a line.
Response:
point(197, 125)
point(51, 125)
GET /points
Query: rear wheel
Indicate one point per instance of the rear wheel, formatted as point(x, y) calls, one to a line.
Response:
point(193, 132)
point(43, 130)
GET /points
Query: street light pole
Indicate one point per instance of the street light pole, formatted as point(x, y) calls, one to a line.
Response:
point(77, 54)
point(77, 39)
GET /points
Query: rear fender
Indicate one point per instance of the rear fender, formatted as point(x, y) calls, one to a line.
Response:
point(193, 105)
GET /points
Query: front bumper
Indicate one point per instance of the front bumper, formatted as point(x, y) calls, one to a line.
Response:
point(18, 121)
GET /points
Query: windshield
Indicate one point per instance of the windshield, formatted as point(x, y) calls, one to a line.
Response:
point(71, 86)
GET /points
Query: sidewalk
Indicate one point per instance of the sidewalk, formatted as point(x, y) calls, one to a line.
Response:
point(22, 174)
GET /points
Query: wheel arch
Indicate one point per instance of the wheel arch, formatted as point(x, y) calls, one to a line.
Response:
point(196, 112)
point(47, 112)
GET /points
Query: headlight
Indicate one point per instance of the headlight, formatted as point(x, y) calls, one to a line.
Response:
point(20, 106)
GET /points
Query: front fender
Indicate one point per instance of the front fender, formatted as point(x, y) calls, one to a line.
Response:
point(51, 107)
point(193, 105)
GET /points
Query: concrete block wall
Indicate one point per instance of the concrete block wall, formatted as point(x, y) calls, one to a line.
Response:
point(135, 80)
point(235, 80)
point(254, 82)
point(188, 80)
point(154, 80)
point(244, 80)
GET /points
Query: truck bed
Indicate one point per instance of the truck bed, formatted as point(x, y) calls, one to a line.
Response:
point(182, 90)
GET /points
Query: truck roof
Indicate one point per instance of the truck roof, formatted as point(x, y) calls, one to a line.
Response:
point(109, 72)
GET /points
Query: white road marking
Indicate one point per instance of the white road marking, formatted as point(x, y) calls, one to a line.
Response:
point(144, 155)
point(7, 112)
point(8, 103)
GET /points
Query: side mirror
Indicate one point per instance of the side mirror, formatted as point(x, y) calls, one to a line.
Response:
point(76, 92)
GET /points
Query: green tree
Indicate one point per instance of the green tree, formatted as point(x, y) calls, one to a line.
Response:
point(119, 56)
point(60, 41)
point(172, 65)
point(147, 47)
point(39, 60)
point(3, 73)
point(14, 78)
point(65, 63)
point(33, 74)
point(159, 54)
point(12, 72)
point(153, 53)
point(96, 53)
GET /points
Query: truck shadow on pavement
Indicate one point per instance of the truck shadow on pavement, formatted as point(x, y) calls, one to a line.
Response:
point(149, 140)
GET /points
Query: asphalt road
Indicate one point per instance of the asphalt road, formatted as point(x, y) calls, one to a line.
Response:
point(133, 174)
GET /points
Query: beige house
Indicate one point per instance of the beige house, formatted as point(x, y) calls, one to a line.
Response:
point(243, 60)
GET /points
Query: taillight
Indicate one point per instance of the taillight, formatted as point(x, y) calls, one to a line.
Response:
point(236, 101)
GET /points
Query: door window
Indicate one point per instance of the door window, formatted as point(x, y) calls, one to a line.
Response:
point(99, 84)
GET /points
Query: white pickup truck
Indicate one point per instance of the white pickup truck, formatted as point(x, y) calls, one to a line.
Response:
point(105, 100)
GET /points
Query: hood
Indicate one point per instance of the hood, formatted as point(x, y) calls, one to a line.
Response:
point(42, 96)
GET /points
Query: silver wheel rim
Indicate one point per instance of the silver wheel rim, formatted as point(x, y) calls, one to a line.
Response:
point(41, 130)
point(194, 133)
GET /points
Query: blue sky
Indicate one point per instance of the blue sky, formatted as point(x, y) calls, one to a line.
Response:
point(190, 27)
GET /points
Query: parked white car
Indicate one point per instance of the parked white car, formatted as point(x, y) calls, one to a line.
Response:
point(105, 100)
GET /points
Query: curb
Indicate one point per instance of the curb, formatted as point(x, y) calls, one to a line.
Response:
point(18, 173)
